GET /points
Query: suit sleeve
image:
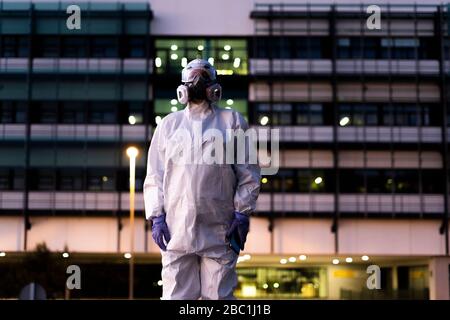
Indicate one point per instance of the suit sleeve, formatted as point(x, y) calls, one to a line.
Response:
point(153, 184)
point(248, 178)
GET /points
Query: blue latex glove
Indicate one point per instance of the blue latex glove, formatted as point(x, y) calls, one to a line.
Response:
point(241, 225)
point(160, 231)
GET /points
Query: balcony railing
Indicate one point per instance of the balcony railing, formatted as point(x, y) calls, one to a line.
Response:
point(365, 294)
point(12, 200)
point(318, 134)
point(386, 203)
point(74, 65)
point(296, 203)
point(99, 201)
point(343, 66)
point(352, 203)
point(358, 134)
point(290, 66)
point(277, 203)
point(390, 134)
point(75, 132)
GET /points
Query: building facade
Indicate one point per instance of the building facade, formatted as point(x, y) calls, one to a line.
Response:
point(363, 122)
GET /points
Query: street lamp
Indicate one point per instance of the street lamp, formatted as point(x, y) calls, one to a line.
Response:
point(132, 153)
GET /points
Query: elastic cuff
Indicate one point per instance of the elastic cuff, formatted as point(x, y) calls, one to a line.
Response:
point(151, 218)
point(247, 213)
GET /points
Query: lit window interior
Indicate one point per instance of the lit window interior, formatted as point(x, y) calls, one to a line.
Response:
point(165, 106)
point(229, 56)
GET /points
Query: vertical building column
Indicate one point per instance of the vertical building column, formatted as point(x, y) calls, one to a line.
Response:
point(443, 230)
point(394, 277)
point(27, 147)
point(149, 105)
point(439, 278)
point(332, 32)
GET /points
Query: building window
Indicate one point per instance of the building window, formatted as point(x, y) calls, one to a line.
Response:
point(357, 48)
point(6, 113)
point(385, 48)
point(135, 113)
point(399, 48)
point(432, 181)
point(99, 180)
point(75, 47)
point(123, 183)
point(284, 181)
point(235, 101)
point(275, 114)
point(284, 114)
point(140, 177)
point(281, 283)
point(229, 56)
point(45, 112)
point(163, 107)
point(314, 181)
point(403, 181)
point(70, 180)
point(11, 179)
point(289, 48)
point(104, 47)
point(358, 115)
point(390, 181)
point(102, 113)
point(5, 179)
point(309, 114)
point(135, 47)
point(447, 49)
point(14, 47)
point(388, 115)
point(47, 47)
point(73, 112)
point(12, 112)
point(18, 179)
point(405, 115)
point(45, 179)
point(309, 48)
point(298, 180)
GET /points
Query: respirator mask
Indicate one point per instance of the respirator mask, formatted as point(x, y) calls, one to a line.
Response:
point(199, 83)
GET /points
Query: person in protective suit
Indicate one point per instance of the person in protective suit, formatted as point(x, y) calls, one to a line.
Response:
point(196, 208)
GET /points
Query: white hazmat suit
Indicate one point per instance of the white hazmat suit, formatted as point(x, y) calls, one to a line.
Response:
point(199, 201)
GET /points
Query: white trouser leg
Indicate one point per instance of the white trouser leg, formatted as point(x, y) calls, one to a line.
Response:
point(218, 276)
point(180, 276)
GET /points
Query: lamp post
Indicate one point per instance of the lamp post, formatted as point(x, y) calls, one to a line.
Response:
point(132, 153)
